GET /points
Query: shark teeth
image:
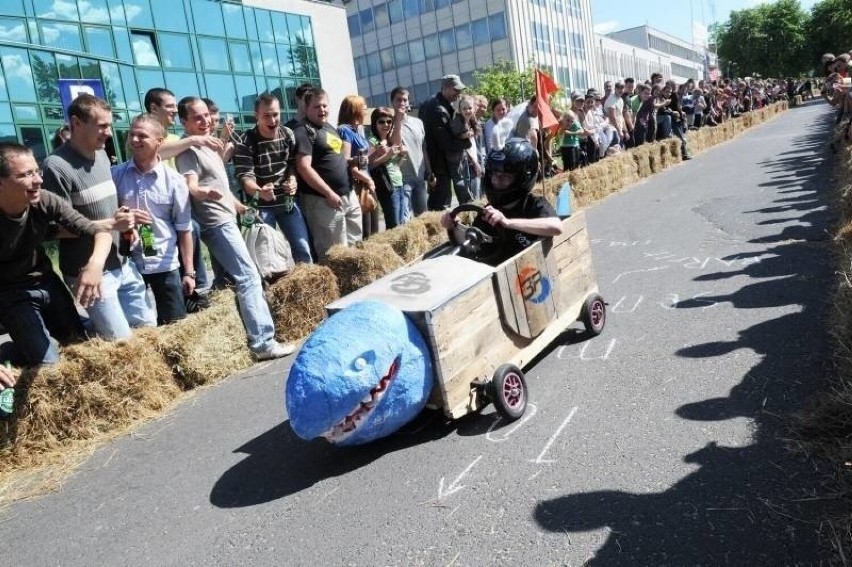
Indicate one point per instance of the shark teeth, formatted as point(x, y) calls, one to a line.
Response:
point(346, 426)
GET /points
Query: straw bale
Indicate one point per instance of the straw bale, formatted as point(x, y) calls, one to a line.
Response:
point(642, 156)
point(674, 150)
point(208, 346)
point(95, 391)
point(664, 153)
point(409, 240)
point(654, 159)
point(748, 119)
point(629, 168)
point(357, 266)
point(298, 300)
point(436, 233)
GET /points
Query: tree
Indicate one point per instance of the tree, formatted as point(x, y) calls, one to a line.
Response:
point(827, 32)
point(768, 40)
point(502, 80)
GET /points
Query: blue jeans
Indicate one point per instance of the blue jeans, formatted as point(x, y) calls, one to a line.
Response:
point(417, 194)
point(34, 315)
point(226, 245)
point(202, 281)
point(293, 226)
point(123, 303)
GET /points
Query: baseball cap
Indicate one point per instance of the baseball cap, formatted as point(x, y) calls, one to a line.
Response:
point(453, 81)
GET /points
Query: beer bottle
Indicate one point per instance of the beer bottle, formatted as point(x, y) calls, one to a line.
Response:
point(125, 242)
point(146, 235)
point(7, 399)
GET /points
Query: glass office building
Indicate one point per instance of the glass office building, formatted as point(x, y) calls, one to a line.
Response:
point(221, 50)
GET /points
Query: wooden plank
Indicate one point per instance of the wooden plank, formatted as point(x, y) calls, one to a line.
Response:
point(533, 290)
point(510, 300)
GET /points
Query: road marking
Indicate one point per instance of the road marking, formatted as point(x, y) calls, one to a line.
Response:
point(540, 459)
point(455, 486)
point(618, 277)
point(531, 409)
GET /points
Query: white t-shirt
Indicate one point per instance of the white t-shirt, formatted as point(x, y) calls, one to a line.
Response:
point(616, 102)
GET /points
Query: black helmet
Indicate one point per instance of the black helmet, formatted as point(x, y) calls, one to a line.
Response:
point(517, 157)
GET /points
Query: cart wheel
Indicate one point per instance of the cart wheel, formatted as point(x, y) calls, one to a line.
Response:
point(509, 392)
point(594, 314)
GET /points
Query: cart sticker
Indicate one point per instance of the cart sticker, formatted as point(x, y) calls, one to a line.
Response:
point(412, 283)
point(533, 286)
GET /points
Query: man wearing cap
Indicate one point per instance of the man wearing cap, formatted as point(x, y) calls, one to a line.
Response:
point(442, 147)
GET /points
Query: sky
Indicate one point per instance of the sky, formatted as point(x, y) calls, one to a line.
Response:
point(671, 16)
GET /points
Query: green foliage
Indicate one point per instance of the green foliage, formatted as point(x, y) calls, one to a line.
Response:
point(502, 80)
point(827, 32)
point(768, 40)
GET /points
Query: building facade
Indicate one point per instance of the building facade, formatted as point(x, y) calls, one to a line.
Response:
point(414, 43)
point(226, 51)
point(638, 52)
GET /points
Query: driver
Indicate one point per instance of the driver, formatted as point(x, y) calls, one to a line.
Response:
point(514, 214)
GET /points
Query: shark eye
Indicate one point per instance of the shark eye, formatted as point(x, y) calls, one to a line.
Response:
point(360, 363)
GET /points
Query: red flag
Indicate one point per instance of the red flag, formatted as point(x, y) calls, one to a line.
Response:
point(544, 87)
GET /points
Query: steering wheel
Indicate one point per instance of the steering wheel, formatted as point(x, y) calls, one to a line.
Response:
point(472, 238)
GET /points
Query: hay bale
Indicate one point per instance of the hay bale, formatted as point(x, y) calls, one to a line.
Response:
point(642, 157)
point(674, 150)
point(298, 300)
point(357, 266)
point(95, 391)
point(207, 346)
point(436, 233)
point(409, 240)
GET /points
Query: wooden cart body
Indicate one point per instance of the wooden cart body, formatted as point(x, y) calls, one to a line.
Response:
point(478, 317)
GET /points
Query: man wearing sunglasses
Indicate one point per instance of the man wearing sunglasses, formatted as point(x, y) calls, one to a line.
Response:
point(35, 306)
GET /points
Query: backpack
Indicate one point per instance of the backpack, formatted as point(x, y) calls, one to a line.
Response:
point(269, 251)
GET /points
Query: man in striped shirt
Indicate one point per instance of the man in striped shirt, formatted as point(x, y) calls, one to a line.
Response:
point(79, 171)
point(265, 164)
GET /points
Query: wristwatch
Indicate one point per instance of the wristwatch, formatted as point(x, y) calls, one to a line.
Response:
point(189, 275)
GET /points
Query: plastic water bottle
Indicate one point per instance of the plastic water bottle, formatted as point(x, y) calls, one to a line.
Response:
point(563, 201)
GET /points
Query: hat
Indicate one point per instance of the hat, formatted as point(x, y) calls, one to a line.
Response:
point(577, 96)
point(453, 81)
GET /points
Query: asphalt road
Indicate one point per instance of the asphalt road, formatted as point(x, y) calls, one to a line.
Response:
point(658, 443)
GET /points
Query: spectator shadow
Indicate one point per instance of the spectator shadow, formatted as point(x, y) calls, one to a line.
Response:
point(279, 464)
point(749, 505)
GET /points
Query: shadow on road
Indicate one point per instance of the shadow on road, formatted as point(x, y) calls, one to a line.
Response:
point(742, 505)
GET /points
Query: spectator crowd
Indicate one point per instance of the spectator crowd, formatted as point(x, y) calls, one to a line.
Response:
point(130, 234)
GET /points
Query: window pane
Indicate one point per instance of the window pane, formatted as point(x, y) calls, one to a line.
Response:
point(367, 21)
point(251, 23)
point(56, 10)
point(235, 25)
point(149, 79)
point(220, 88)
point(176, 51)
point(93, 11)
point(122, 44)
point(26, 113)
point(5, 112)
point(214, 54)
point(374, 64)
point(354, 24)
point(45, 76)
point(430, 46)
point(89, 69)
point(497, 25)
point(287, 59)
point(240, 58)
point(416, 51)
point(52, 113)
point(361, 70)
point(112, 85)
point(182, 84)
point(246, 92)
point(13, 29)
point(395, 11)
point(479, 31)
point(132, 95)
point(447, 40)
point(380, 13)
point(7, 133)
point(14, 8)
point(264, 25)
point(310, 67)
point(463, 38)
point(270, 59)
point(33, 138)
point(99, 41)
point(410, 8)
point(400, 54)
point(19, 75)
point(138, 13)
point(279, 28)
point(386, 56)
point(67, 67)
point(116, 12)
point(169, 15)
point(61, 36)
point(144, 51)
point(207, 17)
point(256, 58)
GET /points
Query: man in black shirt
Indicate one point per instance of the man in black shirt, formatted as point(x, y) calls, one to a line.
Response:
point(35, 305)
point(517, 216)
point(330, 205)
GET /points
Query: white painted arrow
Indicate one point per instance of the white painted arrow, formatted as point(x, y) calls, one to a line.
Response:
point(455, 486)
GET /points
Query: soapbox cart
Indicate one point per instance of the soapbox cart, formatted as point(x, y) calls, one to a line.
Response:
point(484, 323)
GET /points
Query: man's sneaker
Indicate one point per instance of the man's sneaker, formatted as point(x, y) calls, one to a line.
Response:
point(277, 350)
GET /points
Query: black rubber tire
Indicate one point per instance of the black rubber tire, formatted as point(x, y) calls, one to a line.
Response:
point(509, 392)
point(594, 314)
